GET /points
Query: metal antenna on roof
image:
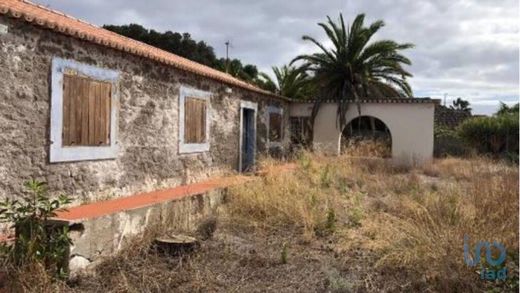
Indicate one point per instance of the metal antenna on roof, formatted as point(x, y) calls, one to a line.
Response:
point(228, 45)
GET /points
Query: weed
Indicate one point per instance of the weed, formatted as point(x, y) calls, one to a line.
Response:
point(284, 253)
point(336, 283)
point(326, 177)
point(207, 227)
point(36, 239)
point(328, 226)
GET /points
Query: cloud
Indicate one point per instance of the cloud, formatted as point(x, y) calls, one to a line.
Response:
point(463, 48)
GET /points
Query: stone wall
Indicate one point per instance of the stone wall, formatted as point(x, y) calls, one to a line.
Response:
point(148, 155)
point(449, 118)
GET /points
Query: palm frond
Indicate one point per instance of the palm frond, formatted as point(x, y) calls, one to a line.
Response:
point(355, 67)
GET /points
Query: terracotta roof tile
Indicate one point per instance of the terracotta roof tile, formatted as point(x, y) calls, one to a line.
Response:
point(68, 25)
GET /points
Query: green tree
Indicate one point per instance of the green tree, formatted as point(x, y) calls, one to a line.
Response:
point(289, 82)
point(236, 69)
point(174, 42)
point(184, 46)
point(461, 105)
point(505, 109)
point(355, 68)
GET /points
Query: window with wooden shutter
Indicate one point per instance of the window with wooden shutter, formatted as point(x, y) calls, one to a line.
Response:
point(86, 111)
point(275, 127)
point(194, 113)
point(194, 120)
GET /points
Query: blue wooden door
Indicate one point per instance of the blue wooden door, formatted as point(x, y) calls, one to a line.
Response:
point(248, 139)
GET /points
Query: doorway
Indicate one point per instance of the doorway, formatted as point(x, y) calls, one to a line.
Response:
point(247, 137)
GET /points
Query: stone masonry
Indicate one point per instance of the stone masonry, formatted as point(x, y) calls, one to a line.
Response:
point(148, 156)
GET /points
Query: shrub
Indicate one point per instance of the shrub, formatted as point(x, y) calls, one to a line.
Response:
point(36, 241)
point(328, 226)
point(494, 135)
point(447, 142)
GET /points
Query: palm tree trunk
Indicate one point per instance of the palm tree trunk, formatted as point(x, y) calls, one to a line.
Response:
point(373, 126)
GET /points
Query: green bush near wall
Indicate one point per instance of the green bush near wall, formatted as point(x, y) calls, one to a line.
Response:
point(496, 135)
point(447, 142)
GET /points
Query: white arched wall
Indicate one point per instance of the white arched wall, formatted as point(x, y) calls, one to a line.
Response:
point(410, 124)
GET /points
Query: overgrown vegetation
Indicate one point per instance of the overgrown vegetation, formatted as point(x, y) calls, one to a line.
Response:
point(38, 245)
point(447, 142)
point(339, 224)
point(496, 135)
point(366, 147)
point(411, 222)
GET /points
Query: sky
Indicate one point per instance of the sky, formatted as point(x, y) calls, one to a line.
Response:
point(463, 48)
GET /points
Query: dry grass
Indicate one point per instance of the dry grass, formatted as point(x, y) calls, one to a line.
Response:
point(300, 200)
point(412, 221)
point(31, 278)
point(366, 148)
point(421, 228)
point(352, 224)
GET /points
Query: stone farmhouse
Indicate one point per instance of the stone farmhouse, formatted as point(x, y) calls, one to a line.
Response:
point(91, 112)
point(97, 115)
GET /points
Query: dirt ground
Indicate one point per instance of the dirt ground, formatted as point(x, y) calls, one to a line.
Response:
point(236, 259)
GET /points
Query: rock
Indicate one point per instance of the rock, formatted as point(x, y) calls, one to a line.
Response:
point(77, 264)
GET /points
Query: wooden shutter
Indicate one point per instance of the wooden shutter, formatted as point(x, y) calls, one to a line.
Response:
point(86, 111)
point(275, 127)
point(194, 120)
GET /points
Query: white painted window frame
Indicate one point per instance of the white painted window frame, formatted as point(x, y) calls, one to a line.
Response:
point(186, 148)
point(278, 110)
point(252, 106)
point(60, 153)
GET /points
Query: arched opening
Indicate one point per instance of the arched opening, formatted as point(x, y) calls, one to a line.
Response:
point(366, 136)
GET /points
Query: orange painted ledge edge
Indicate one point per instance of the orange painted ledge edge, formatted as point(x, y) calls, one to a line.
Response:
point(103, 208)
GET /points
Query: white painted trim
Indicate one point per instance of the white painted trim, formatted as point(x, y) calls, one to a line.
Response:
point(184, 92)
point(278, 110)
point(249, 105)
point(252, 106)
point(59, 153)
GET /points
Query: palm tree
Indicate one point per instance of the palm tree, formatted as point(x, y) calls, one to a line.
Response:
point(355, 68)
point(290, 82)
point(461, 105)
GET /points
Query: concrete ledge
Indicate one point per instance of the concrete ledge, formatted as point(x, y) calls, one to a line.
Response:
point(102, 228)
point(103, 236)
point(81, 213)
